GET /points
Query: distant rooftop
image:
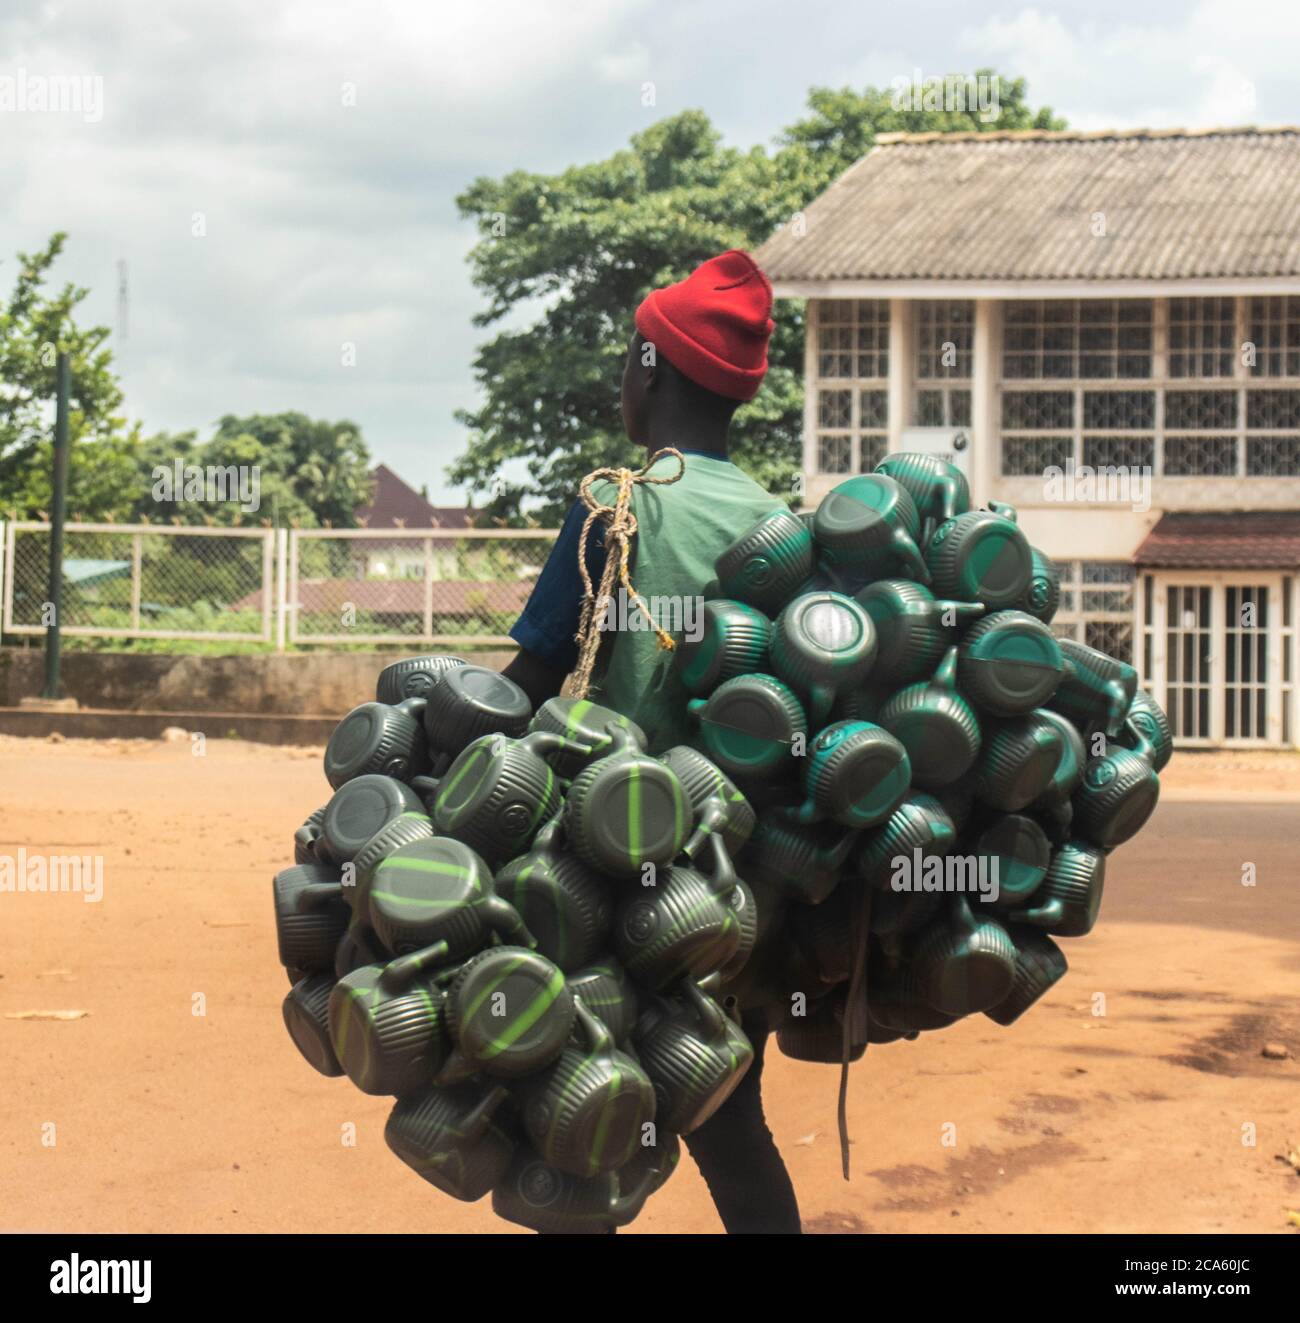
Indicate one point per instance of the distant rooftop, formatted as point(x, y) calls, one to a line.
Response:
point(396, 504)
point(1176, 204)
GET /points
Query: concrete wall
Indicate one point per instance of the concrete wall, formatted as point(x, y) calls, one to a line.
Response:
point(292, 684)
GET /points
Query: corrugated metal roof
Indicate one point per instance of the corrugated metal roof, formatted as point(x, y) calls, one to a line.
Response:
point(1237, 539)
point(1021, 206)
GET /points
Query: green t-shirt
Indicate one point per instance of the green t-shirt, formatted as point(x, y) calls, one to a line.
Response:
point(682, 528)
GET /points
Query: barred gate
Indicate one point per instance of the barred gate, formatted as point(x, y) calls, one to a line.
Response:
point(143, 581)
point(391, 585)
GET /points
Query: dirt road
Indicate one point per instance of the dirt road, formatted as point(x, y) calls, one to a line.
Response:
point(1160, 1114)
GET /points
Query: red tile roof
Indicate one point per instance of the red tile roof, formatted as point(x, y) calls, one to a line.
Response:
point(1229, 540)
point(396, 504)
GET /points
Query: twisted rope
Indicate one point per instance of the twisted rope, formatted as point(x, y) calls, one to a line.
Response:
point(620, 529)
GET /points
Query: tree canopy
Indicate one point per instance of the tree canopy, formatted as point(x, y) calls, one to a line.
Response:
point(567, 257)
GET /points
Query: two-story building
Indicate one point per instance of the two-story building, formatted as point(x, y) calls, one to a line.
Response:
point(1102, 329)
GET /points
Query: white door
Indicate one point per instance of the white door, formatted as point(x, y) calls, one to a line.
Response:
point(1219, 654)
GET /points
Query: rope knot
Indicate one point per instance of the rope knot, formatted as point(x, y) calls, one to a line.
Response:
point(620, 527)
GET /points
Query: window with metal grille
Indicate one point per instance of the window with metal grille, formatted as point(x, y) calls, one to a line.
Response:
point(852, 399)
point(1273, 456)
point(1197, 410)
point(944, 335)
point(1031, 456)
point(1076, 339)
point(1097, 605)
point(1274, 328)
point(1200, 456)
point(1202, 337)
point(1133, 452)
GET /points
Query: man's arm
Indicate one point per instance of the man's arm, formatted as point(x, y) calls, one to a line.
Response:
point(546, 629)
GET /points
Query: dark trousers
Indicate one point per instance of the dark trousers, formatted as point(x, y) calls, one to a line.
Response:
point(738, 1157)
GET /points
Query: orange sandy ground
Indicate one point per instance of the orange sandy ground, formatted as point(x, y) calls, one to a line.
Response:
point(168, 1121)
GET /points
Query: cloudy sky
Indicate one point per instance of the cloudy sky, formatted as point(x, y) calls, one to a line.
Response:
point(266, 223)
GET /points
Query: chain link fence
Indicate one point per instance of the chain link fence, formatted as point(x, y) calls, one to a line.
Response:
point(300, 586)
point(388, 585)
point(141, 581)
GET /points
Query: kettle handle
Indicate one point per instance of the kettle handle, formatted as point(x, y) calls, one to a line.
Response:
point(476, 1122)
point(413, 707)
point(499, 915)
point(597, 1034)
point(1138, 742)
point(547, 840)
point(426, 787)
point(711, 1015)
point(905, 549)
point(1006, 510)
point(406, 968)
point(1043, 916)
point(624, 1207)
point(544, 742)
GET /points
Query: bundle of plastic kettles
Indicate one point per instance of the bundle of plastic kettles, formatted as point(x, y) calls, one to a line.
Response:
point(536, 937)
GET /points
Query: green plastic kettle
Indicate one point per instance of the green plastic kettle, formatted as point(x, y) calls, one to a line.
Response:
point(817, 1036)
point(938, 488)
point(855, 774)
point(306, 1017)
point(1117, 795)
point(1068, 902)
point(1054, 805)
point(964, 964)
point(704, 783)
point(897, 1002)
point(1146, 729)
point(981, 556)
point(1042, 597)
point(1019, 762)
point(867, 528)
point(1018, 848)
point(435, 890)
point(694, 1054)
point(744, 905)
point(396, 832)
point(359, 808)
point(822, 644)
point(387, 1023)
point(734, 639)
point(1009, 663)
point(414, 677)
point(1096, 691)
point(625, 813)
point(919, 823)
point(586, 1112)
point(509, 1012)
point(936, 725)
point(472, 701)
point(1040, 964)
point(682, 925)
point(377, 737)
point(805, 862)
point(765, 566)
point(566, 905)
point(453, 1139)
point(589, 732)
point(605, 989)
point(310, 916)
point(543, 1198)
point(913, 629)
point(750, 724)
point(497, 793)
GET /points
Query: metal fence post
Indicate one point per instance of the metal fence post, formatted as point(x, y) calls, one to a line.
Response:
point(137, 575)
point(281, 586)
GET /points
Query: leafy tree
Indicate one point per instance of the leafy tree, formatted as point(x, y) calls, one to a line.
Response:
point(575, 253)
point(35, 325)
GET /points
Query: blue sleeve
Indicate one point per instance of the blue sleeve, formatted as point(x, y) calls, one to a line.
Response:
point(550, 618)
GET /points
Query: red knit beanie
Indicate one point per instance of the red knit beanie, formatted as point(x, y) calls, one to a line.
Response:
point(714, 325)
